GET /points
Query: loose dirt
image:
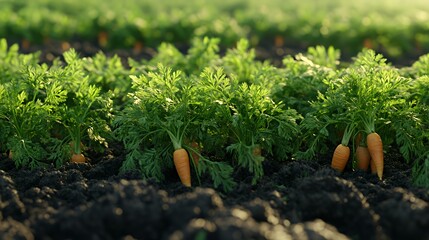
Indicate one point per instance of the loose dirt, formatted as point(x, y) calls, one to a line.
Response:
point(297, 199)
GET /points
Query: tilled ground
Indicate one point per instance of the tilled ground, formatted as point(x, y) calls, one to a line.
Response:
point(298, 200)
point(265, 51)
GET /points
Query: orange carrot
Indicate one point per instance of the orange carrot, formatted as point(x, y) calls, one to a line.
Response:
point(358, 139)
point(375, 148)
point(340, 157)
point(342, 151)
point(363, 157)
point(181, 162)
point(78, 158)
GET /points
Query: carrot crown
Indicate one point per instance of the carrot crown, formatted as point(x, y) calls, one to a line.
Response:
point(368, 121)
point(348, 132)
point(176, 136)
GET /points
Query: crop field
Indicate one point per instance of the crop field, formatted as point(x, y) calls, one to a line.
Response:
point(214, 120)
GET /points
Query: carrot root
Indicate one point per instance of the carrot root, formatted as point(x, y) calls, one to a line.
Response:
point(358, 139)
point(375, 148)
point(181, 162)
point(340, 157)
point(363, 158)
point(78, 158)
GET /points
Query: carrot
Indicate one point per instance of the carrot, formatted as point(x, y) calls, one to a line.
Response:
point(358, 139)
point(10, 154)
point(181, 162)
point(342, 151)
point(340, 157)
point(375, 148)
point(363, 157)
point(78, 158)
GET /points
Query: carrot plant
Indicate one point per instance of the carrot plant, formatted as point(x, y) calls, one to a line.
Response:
point(48, 112)
point(419, 68)
point(166, 54)
point(29, 96)
point(203, 52)
point(240, 62)
point(164, 112)
point(109, 74)
point(420, 171)
point(250, 121)
point(419, 154)
point(322, 56)
point(27, 112)
point(85, 115)
point(302, 79)
point(12, 61)
point(368, 94)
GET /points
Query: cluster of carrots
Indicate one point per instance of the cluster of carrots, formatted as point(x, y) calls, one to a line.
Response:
point(369, 155)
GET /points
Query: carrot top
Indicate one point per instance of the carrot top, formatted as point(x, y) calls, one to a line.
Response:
point(348, 133)
point(168, 108)
point(368, 120)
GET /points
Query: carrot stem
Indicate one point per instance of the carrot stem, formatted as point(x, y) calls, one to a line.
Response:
point(348, 132)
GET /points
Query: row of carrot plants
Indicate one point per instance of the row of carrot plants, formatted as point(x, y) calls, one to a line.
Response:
point(47, 112)
point(386, 25)
point(208, 115)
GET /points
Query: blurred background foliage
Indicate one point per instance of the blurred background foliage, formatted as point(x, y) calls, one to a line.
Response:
point(392, 27)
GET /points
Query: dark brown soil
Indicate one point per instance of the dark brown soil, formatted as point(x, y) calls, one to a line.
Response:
point(266, 51)
point(53, 49)
point(297, 199)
